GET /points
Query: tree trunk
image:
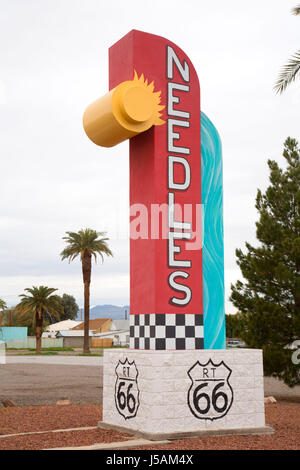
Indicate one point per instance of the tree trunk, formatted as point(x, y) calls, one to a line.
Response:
point(86, 272)
point(38, 332)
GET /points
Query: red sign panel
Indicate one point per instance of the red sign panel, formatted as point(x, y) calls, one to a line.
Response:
point(165, 183)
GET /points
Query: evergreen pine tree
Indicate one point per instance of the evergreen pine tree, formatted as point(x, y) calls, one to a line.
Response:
point(269, 297)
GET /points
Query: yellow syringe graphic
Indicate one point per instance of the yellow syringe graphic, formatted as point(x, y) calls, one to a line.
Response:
point(127, 110)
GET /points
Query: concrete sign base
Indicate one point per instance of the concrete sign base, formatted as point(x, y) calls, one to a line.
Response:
point(182, 393)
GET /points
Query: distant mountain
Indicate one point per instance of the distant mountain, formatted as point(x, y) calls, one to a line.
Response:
point(107, 311)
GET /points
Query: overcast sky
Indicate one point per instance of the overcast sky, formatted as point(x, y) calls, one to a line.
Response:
point(54, 62)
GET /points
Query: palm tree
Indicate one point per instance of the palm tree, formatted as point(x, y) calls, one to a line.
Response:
point(291, 70)
point(86, 244)
point(39, 302)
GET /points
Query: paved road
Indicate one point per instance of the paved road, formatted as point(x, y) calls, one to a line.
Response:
point(58, 360)
point(276, 388)
point(35, 384)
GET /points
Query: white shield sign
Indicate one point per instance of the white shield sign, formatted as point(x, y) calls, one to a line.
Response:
point(210, 395)
point(126, 389)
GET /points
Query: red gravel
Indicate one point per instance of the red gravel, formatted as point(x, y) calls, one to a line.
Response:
point(61, 439)
point(46, 418)
point(284, 417)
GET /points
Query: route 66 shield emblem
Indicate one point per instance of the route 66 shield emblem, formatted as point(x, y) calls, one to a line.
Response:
point(210, 395)
point(126, 389)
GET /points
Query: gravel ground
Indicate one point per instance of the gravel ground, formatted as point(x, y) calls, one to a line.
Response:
point(46, 418)
point(62, 439)
point(284, 417)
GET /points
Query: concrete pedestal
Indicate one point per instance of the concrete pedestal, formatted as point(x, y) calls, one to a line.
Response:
point(181, 393)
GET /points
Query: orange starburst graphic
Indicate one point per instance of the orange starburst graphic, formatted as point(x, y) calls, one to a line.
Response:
point(153, 99)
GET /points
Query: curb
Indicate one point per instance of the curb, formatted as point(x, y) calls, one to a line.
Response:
point(115, 445)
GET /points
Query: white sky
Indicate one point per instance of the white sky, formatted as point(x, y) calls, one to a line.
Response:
point(53, 63)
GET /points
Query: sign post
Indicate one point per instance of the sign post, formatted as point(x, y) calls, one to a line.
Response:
point(177, 377)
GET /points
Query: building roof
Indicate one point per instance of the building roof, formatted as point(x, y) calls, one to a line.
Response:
point(95, 324)
point(119, 325)
point(111, 333)
point(73, 333)
point(62, 325)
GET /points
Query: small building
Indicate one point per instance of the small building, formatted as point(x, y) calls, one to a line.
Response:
point(119, 325)
point(103, 333)
point(65, 325)
point(14, 336)
point(118, 335)
point(99, 325)
point(73, 338)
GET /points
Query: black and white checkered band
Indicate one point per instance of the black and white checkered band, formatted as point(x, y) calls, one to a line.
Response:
point(166, 331)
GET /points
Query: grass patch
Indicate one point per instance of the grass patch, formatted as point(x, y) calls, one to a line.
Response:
point(110, 347)
point(91, 354)
point(53, 349)
point(43, 349)
point(43, 353)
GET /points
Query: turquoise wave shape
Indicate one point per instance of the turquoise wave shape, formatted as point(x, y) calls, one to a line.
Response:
point(213, 238)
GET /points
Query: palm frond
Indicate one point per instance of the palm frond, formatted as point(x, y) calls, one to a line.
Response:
point(288, 73)
point(85, 241)
point(38, 300)
point(296, 10)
